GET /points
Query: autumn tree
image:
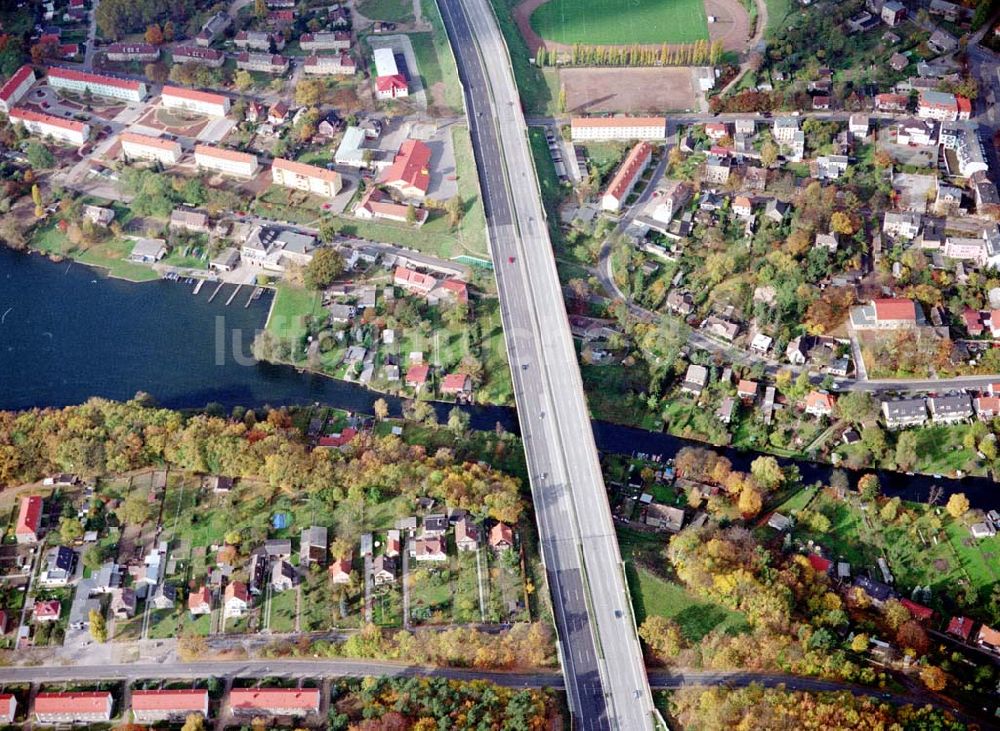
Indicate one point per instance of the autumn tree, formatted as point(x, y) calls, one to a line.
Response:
point(36, 196)
point(906, 450)
point(869, 487)
point(958, 505)
point(309, 92)
point(327, 264)
point(242, 80)
point(841, 223)
point(455, 210)
point(191, 646)
point(194, 722)
point(912, 636)
point(154, 34)
point(381, 409)
point(767, 472)
point(662, 636)
point(98, 626)
point(933, 677)
point(860, 642)
point(750, 502)
point(768, 154)
point(70, 530)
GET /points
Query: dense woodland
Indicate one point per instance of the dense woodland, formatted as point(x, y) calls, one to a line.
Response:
point(756, 708)
point(102, 437)
point(427, 704)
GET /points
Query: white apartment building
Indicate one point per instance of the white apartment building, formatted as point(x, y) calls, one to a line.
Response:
point(325, 41)
point(45, 125)
point(81, 82)
point(618, 128)
point(312, 179)
point(264, 62)
point(143, 147)
point(213, 105)
point(230, 162)
point(15, 87)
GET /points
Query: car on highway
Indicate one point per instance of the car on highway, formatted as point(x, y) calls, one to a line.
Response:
point(510, 259)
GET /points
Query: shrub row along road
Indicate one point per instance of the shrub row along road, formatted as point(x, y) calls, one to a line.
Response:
point(602, 662)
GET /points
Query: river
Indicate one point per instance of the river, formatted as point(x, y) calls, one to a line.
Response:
point(69, 332)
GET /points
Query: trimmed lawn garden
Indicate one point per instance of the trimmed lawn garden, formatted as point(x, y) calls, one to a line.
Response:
point(291, 305)
point(619, 22)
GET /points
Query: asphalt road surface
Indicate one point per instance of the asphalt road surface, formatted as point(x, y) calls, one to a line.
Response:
point(602, 662)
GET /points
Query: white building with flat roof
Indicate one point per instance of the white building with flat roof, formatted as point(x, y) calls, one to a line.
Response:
point(46, 125)
point(213, 105)
point(230, 162)
point(143, 147)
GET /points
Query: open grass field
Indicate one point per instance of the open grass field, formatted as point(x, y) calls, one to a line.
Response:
point(613, 22)
point(291, 305)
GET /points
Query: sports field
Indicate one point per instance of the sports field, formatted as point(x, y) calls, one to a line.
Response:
point(621, 22)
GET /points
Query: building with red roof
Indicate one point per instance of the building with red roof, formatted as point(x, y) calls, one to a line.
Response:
point(746, 390)
point(154, 706)
point(48, 610)
point(501, 537)
point(4, 622)
point(176, 97)
point(964, 106)
point(819, 403)
point(15, 87)
point(960, 627)
point(973, 321)
point(274, 701)
point(377, 204)
point(340, 64)
point(132, 52)
point(618, 128)
point(416, 376)
point(99, 84)
point(917, 611)
point(48, 125)
point(8, 707)
point(891, 102)
point(266, 63)
point(391, 87)
point(236, 599)
point(29, 519)
point(988, 638)
point(340, 569)
point(414, 281)
point(820, 565)
point(627, 176)
point(193, 54)
point(409, 174)
point(230, 162)
point(83, 707)
point(200, 601)
point(336, 441)
point(455, 384)
point(69, 50)
point(987, 407)
point(143, 147)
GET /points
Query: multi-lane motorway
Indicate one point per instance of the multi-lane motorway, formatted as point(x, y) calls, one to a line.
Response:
point(602, 663)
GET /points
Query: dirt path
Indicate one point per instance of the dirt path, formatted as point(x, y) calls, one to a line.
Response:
point(732, 26)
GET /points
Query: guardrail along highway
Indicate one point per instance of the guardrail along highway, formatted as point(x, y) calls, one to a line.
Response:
point(605, 678)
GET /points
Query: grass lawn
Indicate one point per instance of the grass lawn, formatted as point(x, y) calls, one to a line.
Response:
point(430, 593)
point(653, 594)
point(164, 623)
point(608, 388)
point(394, 11)
point(548, 181)
point(387, 607)
point(111, 256)
point(445, 59)
point(283, 611)
point(539, 89)
point(686, 416)
point(466, 597)
point(497, 388)
point(940, 449)
point(777, 12)
point(612, 22)
point(291, 306)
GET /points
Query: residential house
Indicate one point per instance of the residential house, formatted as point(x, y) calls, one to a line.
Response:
point(878, 592)
point(950, 409)
point(229, 162)
point(383, 570)
point(213, 28)
point(466, 535)
point(618, 128)
point(893, 13)
point(827, 241)
point(188, 220)
point(98, 215)
point(417, 375)
point(259, 40)
point(200, 601)
point(987, 407)
point(918, 611)
point(123, 603)
point(743, 206)
point(340, 64)
point(29, 520)
point(501, 537)
point(283, 576)
point(435, 524)
point(190, 100)
point(819, 403)
point(717, 170)
point(393, 542)
point(309, 178)
point(777, 210)
point(720, 328)
point(274, 701)
point(313, 546)
point(960, 627)
point(916, 132)
point(143, 52)
point(236, 599)
point(904, 412)
point(77, 707)
point(901, 225)
point(202, 56)
point(17, 86)
point(60, 565)
point(266, 63)
point(695, 379)
point(165, 596)
point(747, 389)
point(988, 638)
point(278, 548)
point(664, 517)
point(429, 548)
point(938, 105)
point(48, 610)
point(891, 102)
point(886, 314)
point(626, 177)
point(340, 569)
point(8, 708)
point(390, 83)
point(158, 706)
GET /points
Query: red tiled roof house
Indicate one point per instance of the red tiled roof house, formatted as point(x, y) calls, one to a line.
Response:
point(274, 701)
point(29, 519)
point(86, 707)
point(152, 706)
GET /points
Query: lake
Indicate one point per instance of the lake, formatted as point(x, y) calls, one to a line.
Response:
point(69, 332)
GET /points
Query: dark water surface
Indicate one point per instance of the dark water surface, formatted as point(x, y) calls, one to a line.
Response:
point(69, 332)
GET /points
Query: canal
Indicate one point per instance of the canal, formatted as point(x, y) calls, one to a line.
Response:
point(68, 332)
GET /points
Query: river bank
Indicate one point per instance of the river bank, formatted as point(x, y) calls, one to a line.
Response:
point(70, 333)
